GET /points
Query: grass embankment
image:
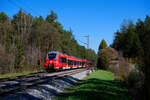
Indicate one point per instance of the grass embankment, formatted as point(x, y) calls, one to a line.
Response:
point(100, 85)
point(20, 74)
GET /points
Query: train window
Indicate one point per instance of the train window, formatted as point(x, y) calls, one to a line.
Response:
point(75, 63)
point(51, 56)
point(83, 63)
point(60, 59)
point(70, 62)
point(64, 60)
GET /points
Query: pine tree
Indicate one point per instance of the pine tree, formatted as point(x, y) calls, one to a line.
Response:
point(3, 17)
point(52, 17)
point(146, 45)
point(39, 20)
point(117, 43)
point(102, 45)
point(129, 37)
point(4, 28)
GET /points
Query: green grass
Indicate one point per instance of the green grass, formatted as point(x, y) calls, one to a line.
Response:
point(19, 74)
point(100, 85)
point(102, 75)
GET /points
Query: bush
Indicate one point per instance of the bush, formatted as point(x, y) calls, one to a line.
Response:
point(120, 68)
point(135, 83)
point(135, 78)
point(109, 59)
point(105, 56)
point(103, 61)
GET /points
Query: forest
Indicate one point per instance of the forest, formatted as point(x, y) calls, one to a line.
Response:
point(133, 42)
point(25, 40)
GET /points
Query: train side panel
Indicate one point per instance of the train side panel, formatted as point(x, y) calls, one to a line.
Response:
point(56, 60)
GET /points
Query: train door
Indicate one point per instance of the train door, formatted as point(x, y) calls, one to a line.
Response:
point(60, 62)
point(64, 62)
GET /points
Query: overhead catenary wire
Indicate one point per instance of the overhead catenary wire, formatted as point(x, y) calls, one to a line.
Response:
point(27, 6)
point(13, 3)
point(82, 41)
point(87, 36)
point(21, 7)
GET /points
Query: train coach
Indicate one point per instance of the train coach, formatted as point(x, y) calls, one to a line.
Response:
point(57, 60)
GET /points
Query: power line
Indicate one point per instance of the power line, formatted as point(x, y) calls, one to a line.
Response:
point(82, 41)
point(18, 6)
point(88, 40)
point(10, 1)
point(27, 6)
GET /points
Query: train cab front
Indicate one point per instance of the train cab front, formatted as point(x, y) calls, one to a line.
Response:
point(50, 61)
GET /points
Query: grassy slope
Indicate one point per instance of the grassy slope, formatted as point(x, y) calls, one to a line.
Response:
point(100, 85)
point(19, 74)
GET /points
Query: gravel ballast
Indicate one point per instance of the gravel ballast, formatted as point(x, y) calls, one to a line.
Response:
point(48, 90)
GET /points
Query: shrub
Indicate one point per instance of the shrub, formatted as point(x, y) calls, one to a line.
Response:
point(135, 78)
point(103, 61)
point(105, 56)
point(109, 59)
point(135, 83)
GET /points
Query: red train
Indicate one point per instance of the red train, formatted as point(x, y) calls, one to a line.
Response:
point(57, 60)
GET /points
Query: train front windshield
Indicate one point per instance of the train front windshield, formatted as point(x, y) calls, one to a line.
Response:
point(52, 56)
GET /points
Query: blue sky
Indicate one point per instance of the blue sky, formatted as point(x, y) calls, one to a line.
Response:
point(97, 18)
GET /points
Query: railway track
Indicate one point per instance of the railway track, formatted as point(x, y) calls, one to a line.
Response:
point(15, 85)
